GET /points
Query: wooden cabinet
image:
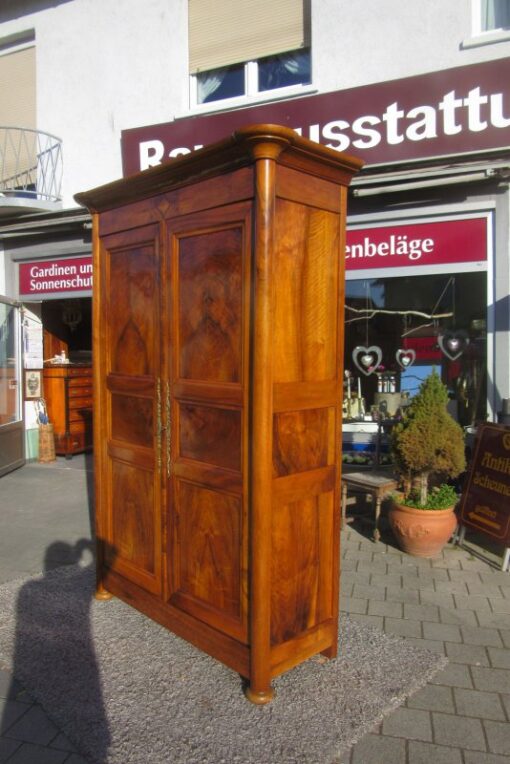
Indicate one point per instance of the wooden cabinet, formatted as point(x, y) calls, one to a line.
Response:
point(218, 334)
point(68, 396)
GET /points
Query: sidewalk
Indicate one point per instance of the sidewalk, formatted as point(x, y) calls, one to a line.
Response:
point(458, 605)
point(43, 507)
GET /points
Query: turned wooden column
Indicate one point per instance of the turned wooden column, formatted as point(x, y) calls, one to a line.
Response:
point(260, 690)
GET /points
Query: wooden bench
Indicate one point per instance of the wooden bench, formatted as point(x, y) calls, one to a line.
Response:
point(377, 485)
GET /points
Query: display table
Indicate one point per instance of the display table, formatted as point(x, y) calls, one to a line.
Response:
point(366, 443)
point(377, 485)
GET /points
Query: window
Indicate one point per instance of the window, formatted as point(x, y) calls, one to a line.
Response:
point(392, 306)
point(494, 14)
point(490, 23)
point(245, 50)
point(254, 77)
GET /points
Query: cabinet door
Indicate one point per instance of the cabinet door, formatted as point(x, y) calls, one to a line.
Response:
point(131, 405)
point(207, 295)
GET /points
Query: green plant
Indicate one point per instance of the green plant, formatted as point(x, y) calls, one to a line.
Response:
point(428, 444)
point(439, 497)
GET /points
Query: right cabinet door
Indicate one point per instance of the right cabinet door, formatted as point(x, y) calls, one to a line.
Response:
point(207, 372)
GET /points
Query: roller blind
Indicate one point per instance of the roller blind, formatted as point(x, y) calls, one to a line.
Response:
point(228, 32)
point(17, 89)
point(18, 150)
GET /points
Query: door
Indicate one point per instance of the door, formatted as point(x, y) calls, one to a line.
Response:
point(12, 434)
point(130, 407)
point(208, 301)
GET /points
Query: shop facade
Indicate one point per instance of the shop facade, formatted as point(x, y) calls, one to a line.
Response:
point(427, 260)
point(50, 256)
point(436, 147)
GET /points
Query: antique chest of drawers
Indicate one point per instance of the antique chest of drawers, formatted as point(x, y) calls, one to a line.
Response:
point(68, 395)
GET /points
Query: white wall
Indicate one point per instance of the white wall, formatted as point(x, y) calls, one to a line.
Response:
point(108, 65)
point(103, 66)
point(368, 41)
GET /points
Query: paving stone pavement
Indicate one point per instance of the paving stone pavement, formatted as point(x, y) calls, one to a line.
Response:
point(457, 605)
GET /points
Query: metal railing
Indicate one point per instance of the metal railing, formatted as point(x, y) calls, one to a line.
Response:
point(30, 164)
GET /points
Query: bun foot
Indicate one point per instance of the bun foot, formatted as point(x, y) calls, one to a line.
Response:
point(102, 594)
point(259, 698)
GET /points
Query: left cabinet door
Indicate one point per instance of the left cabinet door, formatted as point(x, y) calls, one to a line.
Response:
point(129, 341)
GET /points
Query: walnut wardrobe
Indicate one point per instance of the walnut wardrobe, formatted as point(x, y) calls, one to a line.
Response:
point(218, 365)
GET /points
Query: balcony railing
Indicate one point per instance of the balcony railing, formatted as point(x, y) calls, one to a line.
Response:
point(30, 164)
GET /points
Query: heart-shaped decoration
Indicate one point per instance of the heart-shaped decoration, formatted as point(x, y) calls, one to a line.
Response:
point(405, 358)
point(453, 343)
point(367, 360)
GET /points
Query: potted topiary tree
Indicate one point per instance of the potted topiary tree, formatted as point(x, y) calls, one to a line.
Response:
point(428, 447)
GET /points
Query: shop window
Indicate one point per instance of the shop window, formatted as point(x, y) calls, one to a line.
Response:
point(418, 323)
point(247, 50)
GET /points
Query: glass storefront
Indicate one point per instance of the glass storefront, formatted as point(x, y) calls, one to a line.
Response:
point(418, 322)
point(399, 328)
point(11, 419)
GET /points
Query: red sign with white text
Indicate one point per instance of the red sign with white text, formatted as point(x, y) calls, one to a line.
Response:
point(414, 244)
point(428, 243)
point(45, 277)
point(446, 113)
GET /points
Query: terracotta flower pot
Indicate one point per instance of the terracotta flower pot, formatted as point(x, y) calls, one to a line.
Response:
point(421, 532)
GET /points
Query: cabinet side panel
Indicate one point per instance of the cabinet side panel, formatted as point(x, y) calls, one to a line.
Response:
point(305, 308)
point(306, 424)
point(302, 440)
point(302, 534)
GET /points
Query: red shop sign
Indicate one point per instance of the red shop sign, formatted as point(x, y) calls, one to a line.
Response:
point(50, 277)
point(428, 243)
point(454, 111)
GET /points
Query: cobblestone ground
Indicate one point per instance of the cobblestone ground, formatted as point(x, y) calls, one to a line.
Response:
point(457, 605)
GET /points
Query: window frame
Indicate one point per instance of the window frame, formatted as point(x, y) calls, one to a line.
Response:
point(251, 92)
point(481, 36)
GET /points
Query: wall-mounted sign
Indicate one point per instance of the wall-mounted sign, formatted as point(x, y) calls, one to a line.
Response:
point(456, 111)
point(428, 243)
point(485, 502)
point(63, 277)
